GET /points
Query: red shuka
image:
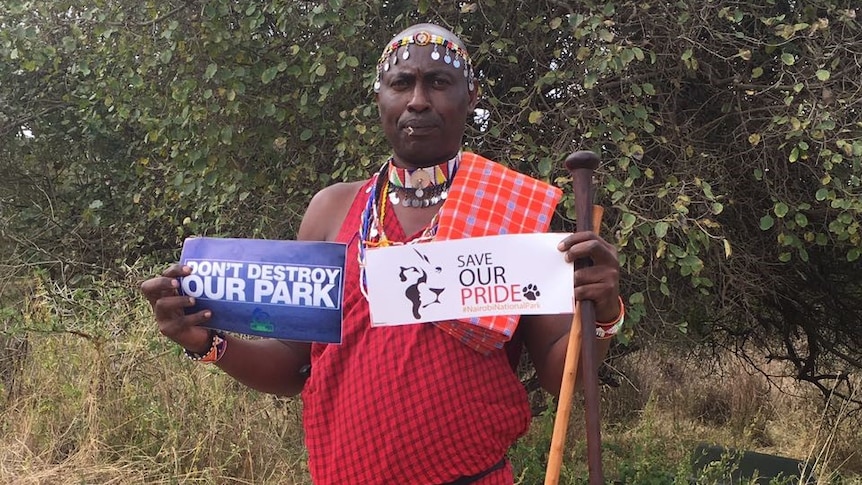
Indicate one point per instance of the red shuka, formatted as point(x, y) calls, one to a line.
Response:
point(406, 404)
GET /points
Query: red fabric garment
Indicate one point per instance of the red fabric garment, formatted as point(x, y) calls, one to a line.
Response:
point(406, 404)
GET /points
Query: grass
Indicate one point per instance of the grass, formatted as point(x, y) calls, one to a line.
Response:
point(90, 393)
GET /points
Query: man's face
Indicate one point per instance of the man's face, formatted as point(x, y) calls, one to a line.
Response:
point(423, 105)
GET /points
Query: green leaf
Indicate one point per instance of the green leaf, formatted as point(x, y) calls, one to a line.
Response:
point(853, 254)
point(268, 74)
point(628, 220)
point(665, 290)
point(606, 35)
point(210, 71)
point(822, 74)
point(545, 166)
point(766, 222)
point(661, 228)
point(821, 194)
point(781, 209)
point(788, 59)
point(305, 135)
point(794, 155)
point(627, 56)
point(227, 135)
point(535, 117)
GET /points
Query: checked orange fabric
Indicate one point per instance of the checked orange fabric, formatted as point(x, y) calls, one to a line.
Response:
point(489, 199)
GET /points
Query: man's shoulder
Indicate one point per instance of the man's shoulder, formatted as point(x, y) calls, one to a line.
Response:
point(327, 210)
point(340, 191)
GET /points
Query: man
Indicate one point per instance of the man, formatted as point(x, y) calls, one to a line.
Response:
point(407, 404)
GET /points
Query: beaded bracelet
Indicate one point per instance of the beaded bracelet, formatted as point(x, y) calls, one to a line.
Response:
point(606, 330)
point(218, 344)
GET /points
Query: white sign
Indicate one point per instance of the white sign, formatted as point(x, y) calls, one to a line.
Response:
point(523, 274)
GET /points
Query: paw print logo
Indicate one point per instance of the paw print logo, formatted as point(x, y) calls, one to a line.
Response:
point(531, 292)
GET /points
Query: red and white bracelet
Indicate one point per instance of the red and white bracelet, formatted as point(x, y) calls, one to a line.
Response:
point(218, 345)
point(606, 330)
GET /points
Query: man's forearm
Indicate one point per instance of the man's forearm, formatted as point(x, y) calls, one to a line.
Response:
point(553, 375)
point(270, 366)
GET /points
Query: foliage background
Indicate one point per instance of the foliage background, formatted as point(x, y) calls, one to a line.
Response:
point(730, 134)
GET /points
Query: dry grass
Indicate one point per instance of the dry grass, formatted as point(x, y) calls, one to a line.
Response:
point(95, 395)
point(109, 400)
point(686, 399)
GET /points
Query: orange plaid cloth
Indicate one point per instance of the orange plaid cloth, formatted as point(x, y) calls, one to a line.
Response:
point(489, 199)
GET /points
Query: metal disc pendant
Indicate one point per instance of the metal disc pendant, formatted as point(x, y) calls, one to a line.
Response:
point(419, 192)
point(447, 59)
point(393, 197)
point(406, 54)
point(415, 202)
point(435, 55)
point(373, 231)
point(444, 194)
point(405, 202)
point(456, 63)
point(386, 66)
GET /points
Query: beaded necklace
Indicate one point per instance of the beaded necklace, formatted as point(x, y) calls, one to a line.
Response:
point(420, 187)
point(371, 232)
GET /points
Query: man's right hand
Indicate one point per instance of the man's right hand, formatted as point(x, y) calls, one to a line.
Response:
point(169, 309)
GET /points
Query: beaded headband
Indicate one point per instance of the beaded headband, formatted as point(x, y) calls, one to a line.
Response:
point(452, 54)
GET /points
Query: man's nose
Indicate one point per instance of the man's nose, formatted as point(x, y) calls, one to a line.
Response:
point(419, 100)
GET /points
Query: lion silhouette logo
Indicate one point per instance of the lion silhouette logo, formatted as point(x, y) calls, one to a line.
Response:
point(419, 292)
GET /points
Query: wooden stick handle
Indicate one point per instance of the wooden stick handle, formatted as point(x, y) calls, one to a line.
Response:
point(581, 165)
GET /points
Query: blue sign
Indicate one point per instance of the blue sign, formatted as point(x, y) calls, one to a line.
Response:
point(288, 290)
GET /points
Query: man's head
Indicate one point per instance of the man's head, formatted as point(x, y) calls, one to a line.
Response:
point(425, 91)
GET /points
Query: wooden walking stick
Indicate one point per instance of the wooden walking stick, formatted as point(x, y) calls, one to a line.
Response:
point(581, 165)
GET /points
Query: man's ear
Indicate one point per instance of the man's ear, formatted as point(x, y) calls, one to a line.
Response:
point(474, 97)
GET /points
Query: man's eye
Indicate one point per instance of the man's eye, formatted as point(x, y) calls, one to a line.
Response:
point(440, 82)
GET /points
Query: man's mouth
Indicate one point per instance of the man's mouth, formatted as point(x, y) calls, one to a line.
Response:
point(417, 129)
